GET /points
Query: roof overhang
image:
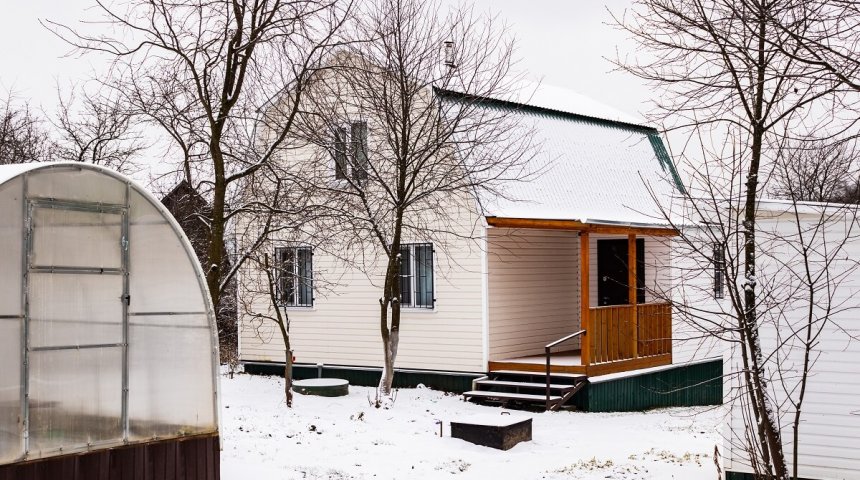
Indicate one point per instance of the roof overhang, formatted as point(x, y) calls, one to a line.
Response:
point(584, 226)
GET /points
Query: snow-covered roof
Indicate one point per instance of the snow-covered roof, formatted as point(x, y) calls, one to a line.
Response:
point(594, 165)
point(8, 172)
point(569, 101)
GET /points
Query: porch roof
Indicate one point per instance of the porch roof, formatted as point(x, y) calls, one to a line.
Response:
point(595, 226)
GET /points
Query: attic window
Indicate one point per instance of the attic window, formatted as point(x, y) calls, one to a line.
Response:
point(350, 151)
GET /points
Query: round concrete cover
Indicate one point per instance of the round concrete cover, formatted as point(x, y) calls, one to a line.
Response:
point(324, 387)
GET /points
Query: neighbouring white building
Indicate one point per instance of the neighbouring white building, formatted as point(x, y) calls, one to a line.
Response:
point(794, 239)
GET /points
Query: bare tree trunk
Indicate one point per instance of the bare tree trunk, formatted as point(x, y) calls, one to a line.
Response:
point(765, 413)
point(288, 372)
point(256, 289)
point(390, 333)
point(214, 276)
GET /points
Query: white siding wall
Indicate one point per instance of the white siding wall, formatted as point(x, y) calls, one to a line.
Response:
point(830, 429)
point(342, 328)
point(692, 284)
point(533, 290)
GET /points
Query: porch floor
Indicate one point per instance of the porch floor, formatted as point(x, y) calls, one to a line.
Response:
point(571, 362)
point(561, 362)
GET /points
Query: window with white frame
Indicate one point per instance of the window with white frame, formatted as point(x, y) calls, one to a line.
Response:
point(719, 261)
point(350, 151)
point(294, 276)
point(416, 275)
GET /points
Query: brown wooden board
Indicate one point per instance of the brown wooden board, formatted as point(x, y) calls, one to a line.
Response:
point(576, 225)
point(191, 458)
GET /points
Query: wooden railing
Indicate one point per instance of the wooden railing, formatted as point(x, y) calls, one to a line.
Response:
point(626, 332)
point(655, 329)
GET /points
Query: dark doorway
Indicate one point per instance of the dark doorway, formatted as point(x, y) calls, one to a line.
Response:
point(612, 272)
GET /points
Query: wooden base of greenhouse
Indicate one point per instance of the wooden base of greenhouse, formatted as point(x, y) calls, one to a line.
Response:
point(191, 458)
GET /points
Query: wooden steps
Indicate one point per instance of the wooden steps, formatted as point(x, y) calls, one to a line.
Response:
point(507, 383)
point(509, 396)
point(516, 388)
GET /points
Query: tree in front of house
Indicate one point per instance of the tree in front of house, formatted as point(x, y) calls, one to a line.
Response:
point(206, 74)
point(278, 274)
point(405, 141)
point(728, 78)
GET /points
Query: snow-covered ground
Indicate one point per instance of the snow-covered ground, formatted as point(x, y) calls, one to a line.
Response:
point(346, 438)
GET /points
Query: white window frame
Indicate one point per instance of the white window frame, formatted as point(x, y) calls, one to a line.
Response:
point(413, 277)
point(282, 300)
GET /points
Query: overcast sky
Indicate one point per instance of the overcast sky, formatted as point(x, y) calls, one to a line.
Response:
point(560, 42)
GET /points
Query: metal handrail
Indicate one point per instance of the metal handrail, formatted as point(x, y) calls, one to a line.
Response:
point(548, 350)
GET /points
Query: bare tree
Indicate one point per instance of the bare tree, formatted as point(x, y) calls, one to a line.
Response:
point(22, 135)
point(824, 35)
point(804, 271)
point(261, 286)
point(817, 171)
point(207, 73)
point(405, 139)
point(96, 129)
point(724, 70)
point(279, 209)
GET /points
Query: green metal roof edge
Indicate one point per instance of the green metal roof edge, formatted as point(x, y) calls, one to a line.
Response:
point(532, 108)
point(666, 162)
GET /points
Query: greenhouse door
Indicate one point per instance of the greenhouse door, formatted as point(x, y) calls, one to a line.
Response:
point(75, 327)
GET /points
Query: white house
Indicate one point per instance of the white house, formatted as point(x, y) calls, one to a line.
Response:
point(829, 428)
point(549, 262)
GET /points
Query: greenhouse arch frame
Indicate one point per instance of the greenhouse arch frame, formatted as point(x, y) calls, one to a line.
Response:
point(107, 331)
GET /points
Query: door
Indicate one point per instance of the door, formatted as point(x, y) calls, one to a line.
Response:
point(75, 314)
point(612, 286)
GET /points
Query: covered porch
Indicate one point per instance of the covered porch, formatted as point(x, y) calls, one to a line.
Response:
point(568, 297)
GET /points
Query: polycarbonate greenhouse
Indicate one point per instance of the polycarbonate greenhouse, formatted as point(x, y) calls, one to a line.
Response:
point(107, 335)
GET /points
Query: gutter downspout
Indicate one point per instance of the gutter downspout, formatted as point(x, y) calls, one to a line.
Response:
point(485, 295)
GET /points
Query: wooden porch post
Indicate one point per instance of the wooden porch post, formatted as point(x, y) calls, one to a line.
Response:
point(584, 314)
point(631, 292)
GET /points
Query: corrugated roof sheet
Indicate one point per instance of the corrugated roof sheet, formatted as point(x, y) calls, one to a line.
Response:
point(565, 100)
point(591, 170)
